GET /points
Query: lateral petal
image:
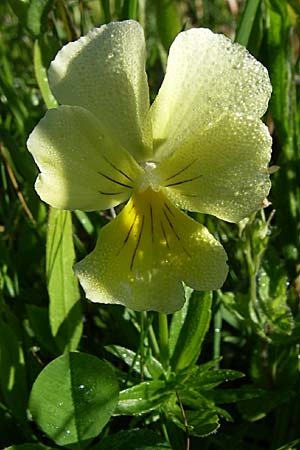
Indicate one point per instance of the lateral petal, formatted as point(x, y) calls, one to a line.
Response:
point(222, 170)
point(81, 167)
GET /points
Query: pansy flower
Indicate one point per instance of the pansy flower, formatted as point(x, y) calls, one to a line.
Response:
point(200, 146)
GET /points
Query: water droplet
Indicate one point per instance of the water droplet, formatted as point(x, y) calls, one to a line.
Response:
point(68, 432)
point(110, 55)
point(81, 386)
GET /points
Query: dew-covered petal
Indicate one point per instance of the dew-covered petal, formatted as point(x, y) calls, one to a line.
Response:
point(104, 72)
point(206, 76)
point(81, 168)
point(222, 170)
point(142, 256)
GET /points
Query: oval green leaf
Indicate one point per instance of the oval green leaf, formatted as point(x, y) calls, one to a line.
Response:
point(73, 398)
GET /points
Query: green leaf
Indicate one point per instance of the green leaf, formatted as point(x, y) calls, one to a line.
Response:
point(135, 439)
point(151, 367)
point(284, 108)
point(246, 23)
point(130, 8)
point(178, 320)
point(39, 321)
point(29, 447)
point(20, 8)
point(143, 397)
point(257, 408)
point(289, 446)
point(32, 14)
point(199, 422)
point(205, 380)
point(41, 73)
point(272, 289)
point(295, 5)
point(193, 331)
point(106, 10)
point(202, 422)
point(37, 13)
point(222, 396)
point(73, 398)
point(13, 376)
point(168, 21)
point(64, 309)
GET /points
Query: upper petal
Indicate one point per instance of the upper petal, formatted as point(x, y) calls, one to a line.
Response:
point(81, 168)
point(142, 256)
point(206, 75)
point(221, 170)
point(104, 72)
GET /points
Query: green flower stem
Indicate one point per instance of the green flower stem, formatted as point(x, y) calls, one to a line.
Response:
point(252, 271)
point(163, 339)
point(153, 342)
point(217, 336)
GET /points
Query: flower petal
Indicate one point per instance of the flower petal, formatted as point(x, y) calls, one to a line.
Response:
point(206, 76)
point(222, 170)
point(104, 72)
point(143, 254)
point(81, 168)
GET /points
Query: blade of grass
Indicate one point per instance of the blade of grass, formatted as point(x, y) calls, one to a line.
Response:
point(106, 10)
point(246, 22)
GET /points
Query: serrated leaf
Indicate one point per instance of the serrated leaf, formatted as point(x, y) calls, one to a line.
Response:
point(152, 368)
point(143, 397)
point(202, 423)
point(65, 308)
point(73, 398)
point(223, 396)
point(205, 380)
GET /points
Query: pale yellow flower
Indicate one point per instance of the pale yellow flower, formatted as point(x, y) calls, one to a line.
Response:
point(201, 146)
